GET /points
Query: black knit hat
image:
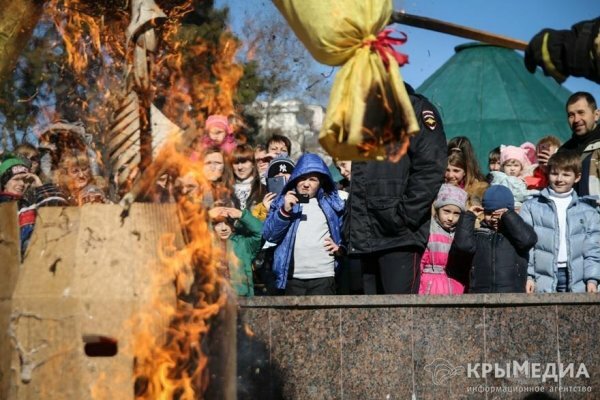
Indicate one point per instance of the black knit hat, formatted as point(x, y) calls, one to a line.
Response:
point(281, 164)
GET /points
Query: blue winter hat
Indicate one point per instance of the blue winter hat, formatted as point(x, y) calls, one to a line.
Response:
point(497, 197)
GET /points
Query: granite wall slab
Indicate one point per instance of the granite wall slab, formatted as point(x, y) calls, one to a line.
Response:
point(410, 347)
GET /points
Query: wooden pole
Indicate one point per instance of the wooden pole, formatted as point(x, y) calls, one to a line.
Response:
point(437, 25)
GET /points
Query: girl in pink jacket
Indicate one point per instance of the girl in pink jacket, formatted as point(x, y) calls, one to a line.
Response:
point(436, 278)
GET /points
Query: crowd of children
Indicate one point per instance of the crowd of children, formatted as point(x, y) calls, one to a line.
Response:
point(528, 232)
point(521, 228)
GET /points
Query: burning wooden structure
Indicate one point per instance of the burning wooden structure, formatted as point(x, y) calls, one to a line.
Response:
point(9, 254)
point(73, 309)
point(122, 306)
point(94, 296)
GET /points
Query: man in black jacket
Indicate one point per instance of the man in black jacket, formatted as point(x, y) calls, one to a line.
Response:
point(389, 208)
point(583, 116)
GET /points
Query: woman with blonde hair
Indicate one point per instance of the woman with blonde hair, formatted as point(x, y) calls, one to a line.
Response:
point(74, 177)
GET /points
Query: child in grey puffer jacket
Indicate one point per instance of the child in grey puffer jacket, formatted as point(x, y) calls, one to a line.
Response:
point(566, 257)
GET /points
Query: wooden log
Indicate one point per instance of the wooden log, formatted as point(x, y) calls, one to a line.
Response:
point(437, 25)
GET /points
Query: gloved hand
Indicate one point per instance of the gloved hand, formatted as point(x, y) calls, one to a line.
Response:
point(566, 52)
point(546, 49)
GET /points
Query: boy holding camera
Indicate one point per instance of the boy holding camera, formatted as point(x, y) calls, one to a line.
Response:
point(305, 223)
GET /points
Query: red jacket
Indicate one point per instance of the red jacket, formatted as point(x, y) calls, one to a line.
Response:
point(539, 180)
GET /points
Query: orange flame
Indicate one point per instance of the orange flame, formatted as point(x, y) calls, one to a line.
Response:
point(94, 46)
point(173, 365)
point(209, 88)
point(169, 363)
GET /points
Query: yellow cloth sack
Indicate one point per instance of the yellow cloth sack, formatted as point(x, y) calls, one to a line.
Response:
point(369, 115)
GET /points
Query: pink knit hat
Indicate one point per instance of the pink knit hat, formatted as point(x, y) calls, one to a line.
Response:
point(530, 152)
point(514, 153)
point(450, 195)
point(218, 121)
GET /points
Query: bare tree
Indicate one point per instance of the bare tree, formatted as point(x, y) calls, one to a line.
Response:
point(18, 18)
point(288, 68)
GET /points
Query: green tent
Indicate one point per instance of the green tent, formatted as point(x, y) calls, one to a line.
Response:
point(485, 93)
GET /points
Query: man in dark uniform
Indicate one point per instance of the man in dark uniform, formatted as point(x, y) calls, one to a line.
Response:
point(389, 208)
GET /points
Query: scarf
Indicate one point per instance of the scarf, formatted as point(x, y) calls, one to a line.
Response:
point(439, 243)
point(579, 143)
point(242, 191)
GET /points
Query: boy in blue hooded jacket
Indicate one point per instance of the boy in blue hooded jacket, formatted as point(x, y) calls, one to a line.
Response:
point(304, 222)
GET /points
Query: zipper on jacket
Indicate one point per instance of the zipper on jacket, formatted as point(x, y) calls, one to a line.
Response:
point(493, 282)
point(567, 230)
point(568, 244)
point(556, 245)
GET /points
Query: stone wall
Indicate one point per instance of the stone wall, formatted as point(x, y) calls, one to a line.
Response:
point(411, 347)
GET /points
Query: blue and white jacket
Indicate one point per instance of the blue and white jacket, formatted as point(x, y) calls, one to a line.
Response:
point(281, 229)
point(583, 242)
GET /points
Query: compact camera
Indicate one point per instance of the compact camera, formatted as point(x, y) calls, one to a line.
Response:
point(302, 198)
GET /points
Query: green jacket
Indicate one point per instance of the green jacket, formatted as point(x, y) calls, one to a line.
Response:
point(245, 243)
